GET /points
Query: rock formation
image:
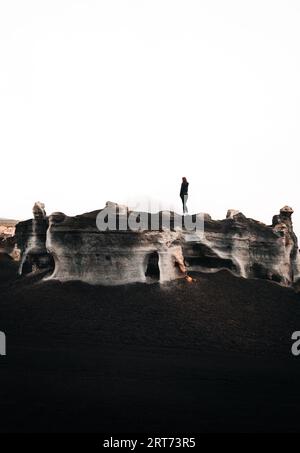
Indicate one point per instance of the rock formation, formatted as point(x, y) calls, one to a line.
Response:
point(31, 240)
point(75, 249)
point(248, 248)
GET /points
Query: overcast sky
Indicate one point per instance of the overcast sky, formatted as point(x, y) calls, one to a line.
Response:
point(117, 100)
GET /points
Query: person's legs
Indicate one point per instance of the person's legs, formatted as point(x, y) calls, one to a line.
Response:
point(185, 209)
point(182, 199)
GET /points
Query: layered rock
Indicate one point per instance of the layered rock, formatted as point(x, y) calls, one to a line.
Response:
point(30, 237)
point(77, 250)
point(81, 251)
point(247, 247)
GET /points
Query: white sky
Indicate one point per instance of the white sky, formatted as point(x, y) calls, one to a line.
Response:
point(117, 100)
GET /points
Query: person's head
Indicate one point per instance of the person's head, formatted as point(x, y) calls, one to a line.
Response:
point(184, 179)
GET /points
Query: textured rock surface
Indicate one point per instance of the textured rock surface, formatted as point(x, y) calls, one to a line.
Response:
point(30, 237)
point(248, 248)
point(80, 251)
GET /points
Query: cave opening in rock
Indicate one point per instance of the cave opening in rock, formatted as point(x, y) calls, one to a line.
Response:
point(211, 262)
point(35, 262)
point(152, 269)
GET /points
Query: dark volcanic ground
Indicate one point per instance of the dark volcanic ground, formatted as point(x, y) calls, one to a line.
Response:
point(208, 356)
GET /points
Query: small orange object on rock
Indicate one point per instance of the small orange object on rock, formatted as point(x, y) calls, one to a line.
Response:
point(188, 278)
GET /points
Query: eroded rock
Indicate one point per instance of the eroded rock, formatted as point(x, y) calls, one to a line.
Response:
point(77, 250)
point(30, 237)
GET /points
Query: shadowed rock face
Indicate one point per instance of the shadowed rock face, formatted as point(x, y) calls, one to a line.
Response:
point(248, 248)
point(31, 241)
point(76, 250)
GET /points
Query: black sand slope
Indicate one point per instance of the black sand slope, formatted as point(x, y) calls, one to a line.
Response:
point(209, 356)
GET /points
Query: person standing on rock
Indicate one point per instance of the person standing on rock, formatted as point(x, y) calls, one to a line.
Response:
point(184, 194)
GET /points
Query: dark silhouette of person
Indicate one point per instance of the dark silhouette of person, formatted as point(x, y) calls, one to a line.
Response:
point(184, 194)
